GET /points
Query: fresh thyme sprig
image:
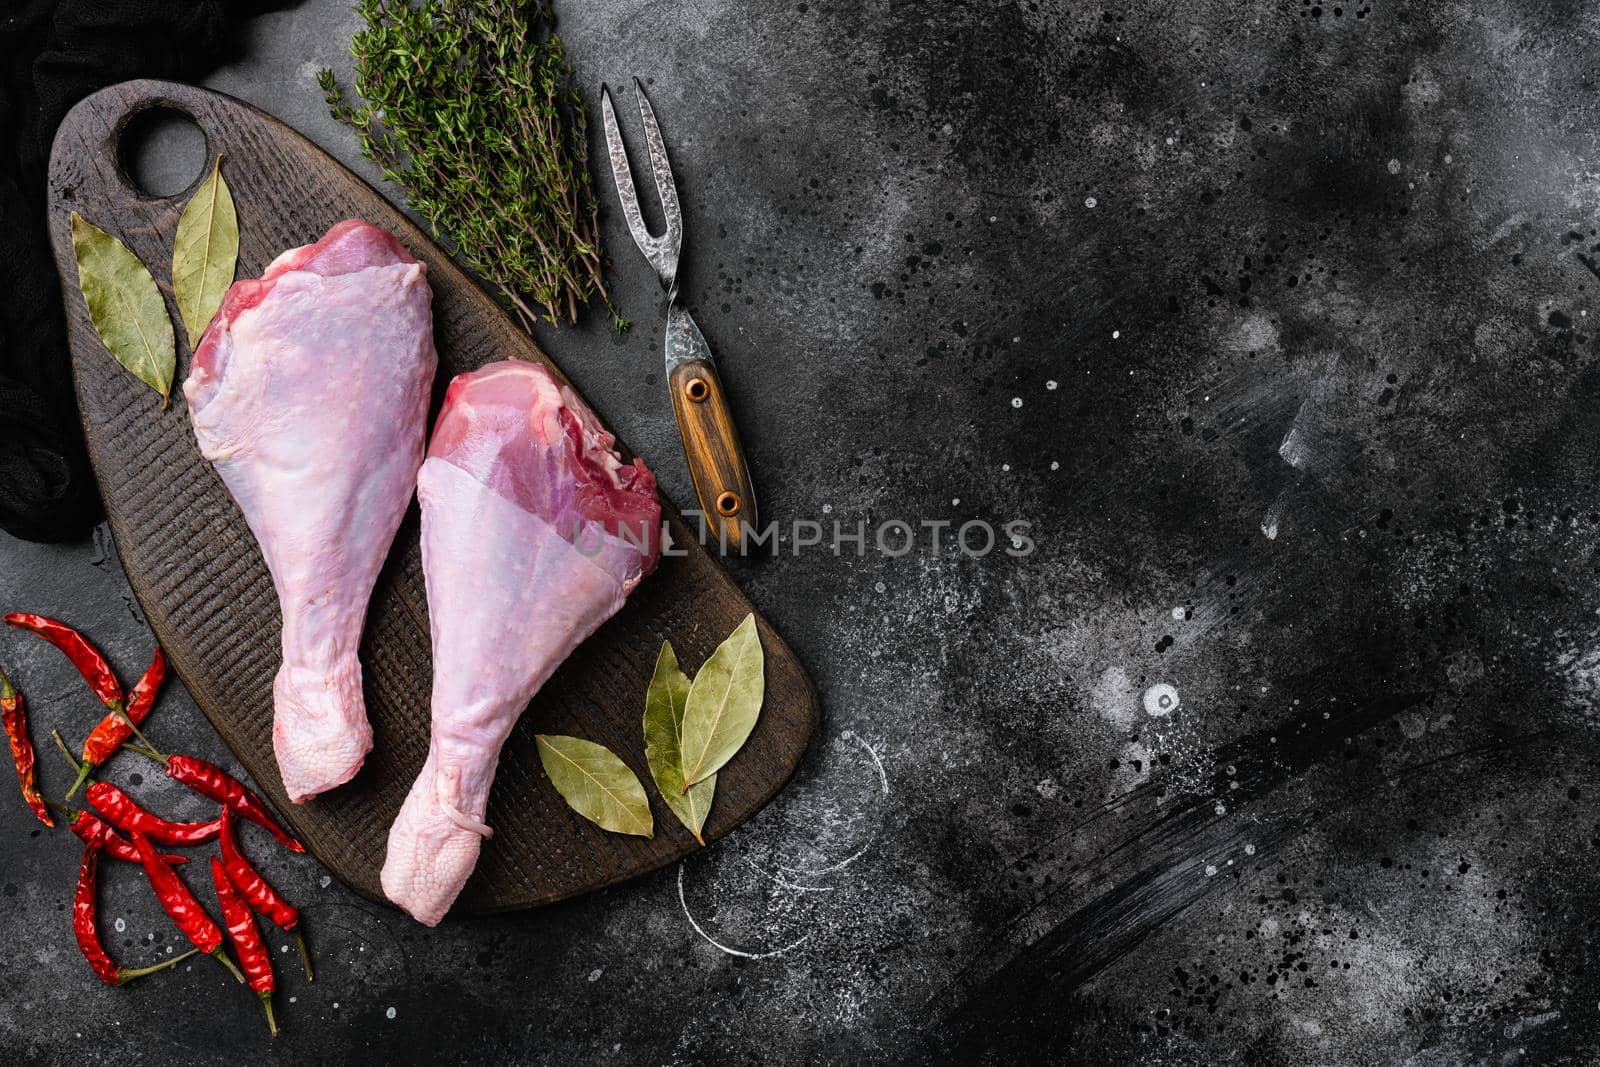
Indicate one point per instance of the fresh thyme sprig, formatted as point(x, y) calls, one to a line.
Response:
point(469, 107)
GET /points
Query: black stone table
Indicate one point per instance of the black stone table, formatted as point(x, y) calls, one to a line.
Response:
point(1273, 321)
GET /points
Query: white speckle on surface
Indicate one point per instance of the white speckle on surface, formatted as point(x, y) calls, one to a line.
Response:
point(1394, 166)
point(336, 1005)
point(390, 1013)
point(1115, 334)
point(594, 975)
point(1047, 789)
point(1016, 401)
point(1161, 700)
point(1090, 202)
point(1221, 808)
point(878, 587)
point(1005, 466)
point(1249, 850)
point(1055, 465)
point(1177, 613)
point(325, 881)
point(955, 501)
point(1052, 385)
point(1211, 870)
point(120, 925)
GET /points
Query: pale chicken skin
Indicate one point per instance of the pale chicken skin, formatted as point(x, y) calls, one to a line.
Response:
point(533, 534)
point(309, 393)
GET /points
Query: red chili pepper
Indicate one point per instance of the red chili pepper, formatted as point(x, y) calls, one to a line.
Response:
point(246, 936)
point(216, 783)
point(84, 656)
point(181, 907)
point(258, 891)
point(113, 729)
point(213, 782)
point(16, 724)
point(90, 827)
point(85, 924)
point(120, 811)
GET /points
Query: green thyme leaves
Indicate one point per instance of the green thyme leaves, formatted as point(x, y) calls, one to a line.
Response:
point(596, 784)
point(723, 703)
point(205, 253)
point(469, 107)
point(125, 306)
point(664, 705)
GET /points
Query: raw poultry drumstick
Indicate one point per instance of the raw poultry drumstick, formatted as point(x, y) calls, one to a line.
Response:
point(533, 534)
point(309, 392)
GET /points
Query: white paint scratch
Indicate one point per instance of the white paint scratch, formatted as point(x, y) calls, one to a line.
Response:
point(713, 942)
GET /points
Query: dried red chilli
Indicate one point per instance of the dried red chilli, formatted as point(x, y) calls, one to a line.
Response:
point(180, 905)
point(86, 923)
point(15, 717)
point(90, 827)
point(113, 729)
point(84, 656)
point(258, 891)
point(214, 782)
point(246, 937)
point(120, 811)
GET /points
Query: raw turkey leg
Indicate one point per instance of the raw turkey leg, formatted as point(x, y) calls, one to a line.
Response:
point(309, 392)
point(533, 534)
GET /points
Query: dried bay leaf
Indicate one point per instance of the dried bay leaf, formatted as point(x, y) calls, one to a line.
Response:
point(124, 305)
point(724, 701)
point(205, 253)
point(664, 705)
point(596, 784)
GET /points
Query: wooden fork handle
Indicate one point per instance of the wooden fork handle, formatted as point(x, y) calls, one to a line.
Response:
point(711, 445)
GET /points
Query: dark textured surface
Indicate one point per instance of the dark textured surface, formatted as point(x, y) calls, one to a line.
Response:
point(209, 598)
point(1334, 287)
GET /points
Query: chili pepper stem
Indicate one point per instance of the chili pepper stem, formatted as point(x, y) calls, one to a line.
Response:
point(266, 1003)
point(305, 953)
point(84, 771)
point(128, 974)
point(233, 968)
point(66, 753)
point(154, 753)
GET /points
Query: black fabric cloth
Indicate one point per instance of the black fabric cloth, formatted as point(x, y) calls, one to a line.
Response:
point(53, 54)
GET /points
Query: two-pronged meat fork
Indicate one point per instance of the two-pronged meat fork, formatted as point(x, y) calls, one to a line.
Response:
point(710, 442)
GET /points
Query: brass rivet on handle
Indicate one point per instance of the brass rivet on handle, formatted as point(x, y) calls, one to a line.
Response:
point(728, 504)
point(697, 389)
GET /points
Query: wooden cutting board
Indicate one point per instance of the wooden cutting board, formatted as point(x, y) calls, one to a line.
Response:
point(200, 578)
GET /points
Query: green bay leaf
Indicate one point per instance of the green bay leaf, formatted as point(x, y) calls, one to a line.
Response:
point(596, 784)
point(124, 305)
point(664, 705)
point(724, 701)
point(205, 253)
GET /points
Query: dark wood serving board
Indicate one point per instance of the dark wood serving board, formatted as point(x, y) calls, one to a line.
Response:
point(201, 581)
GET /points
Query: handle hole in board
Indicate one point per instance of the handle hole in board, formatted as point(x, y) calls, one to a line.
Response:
point(161, 151)
point(728, 504)
point(696, 389)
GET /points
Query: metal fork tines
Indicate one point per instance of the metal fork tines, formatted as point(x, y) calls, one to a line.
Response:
point(662, 251)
